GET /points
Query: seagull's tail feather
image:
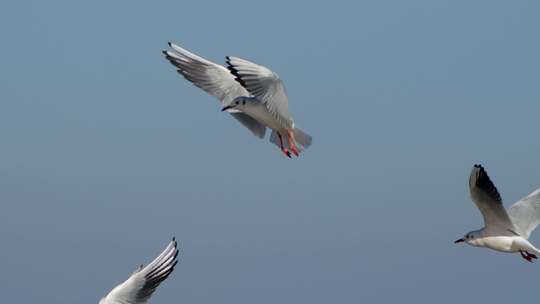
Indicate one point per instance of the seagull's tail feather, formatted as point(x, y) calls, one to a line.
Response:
point(302, 139)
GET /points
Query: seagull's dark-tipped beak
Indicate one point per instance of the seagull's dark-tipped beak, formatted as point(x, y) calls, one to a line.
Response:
point(459, 241)
point(226, 108)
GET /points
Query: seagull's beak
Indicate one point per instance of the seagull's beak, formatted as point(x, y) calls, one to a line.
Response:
point(459, 241)
point(227, 108)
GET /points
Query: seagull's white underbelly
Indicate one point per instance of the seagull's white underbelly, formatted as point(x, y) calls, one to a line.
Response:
point(262, 115)
point(499, 243)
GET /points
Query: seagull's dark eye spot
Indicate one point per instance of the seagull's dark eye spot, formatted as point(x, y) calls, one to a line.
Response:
point(236, 102)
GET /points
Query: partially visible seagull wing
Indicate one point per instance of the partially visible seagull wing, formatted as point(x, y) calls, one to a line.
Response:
point(140, 286)
point(254, 126)
point(525, 214)
point(488, 200)
point(264, 84)
point(214, 79)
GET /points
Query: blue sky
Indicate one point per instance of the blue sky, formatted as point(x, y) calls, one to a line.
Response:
point(107, 152)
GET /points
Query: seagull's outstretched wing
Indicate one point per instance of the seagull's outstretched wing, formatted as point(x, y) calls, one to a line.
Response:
point(525, 214)
point(214, 79)
point(263, 84)
point(488, 200)
point(138, 288)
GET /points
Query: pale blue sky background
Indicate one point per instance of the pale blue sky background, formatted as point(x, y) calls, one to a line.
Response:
point(106, 152)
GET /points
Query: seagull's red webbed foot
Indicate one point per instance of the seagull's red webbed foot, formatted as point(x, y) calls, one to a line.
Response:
point(292, 143)
point(295, 151)
point(286, 152)
point(283, 149)
point(528, 256)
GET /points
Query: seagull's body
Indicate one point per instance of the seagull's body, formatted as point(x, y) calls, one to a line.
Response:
point(256, 109)
point(251, 93)
point(500, 242)
point(505, 230)
point(140, 286)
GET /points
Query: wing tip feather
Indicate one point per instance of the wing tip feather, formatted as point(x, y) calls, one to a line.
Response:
point(479, 178)
point(234, 72)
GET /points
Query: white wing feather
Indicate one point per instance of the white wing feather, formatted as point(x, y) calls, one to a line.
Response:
point(525, 214)
point(214, 79)
point(486, 197)
point(140, 286)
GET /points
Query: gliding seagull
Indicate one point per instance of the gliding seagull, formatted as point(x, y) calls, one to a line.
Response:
point(505, 231)
point(140, 286)
point(251, 93)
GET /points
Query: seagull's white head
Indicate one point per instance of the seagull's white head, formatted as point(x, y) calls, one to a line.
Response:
point(239, 104)
point(470, 238)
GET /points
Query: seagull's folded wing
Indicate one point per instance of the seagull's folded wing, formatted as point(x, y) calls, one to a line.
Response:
point(214, 79)
point(525, 214)
point(488, 200)
point(264, 84)
point(138, 288)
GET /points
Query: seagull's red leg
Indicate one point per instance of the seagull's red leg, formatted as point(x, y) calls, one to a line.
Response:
point(531, 255)
point(526, 256)
point(292, 143)
point(283, 149)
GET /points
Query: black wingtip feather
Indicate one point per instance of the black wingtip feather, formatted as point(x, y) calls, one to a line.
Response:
point(169, 43)
point(484, 182)
point(482, 176)
point(234, 72)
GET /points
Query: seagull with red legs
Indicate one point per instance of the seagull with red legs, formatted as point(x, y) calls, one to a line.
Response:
point(505, 230)
point(251, 93)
